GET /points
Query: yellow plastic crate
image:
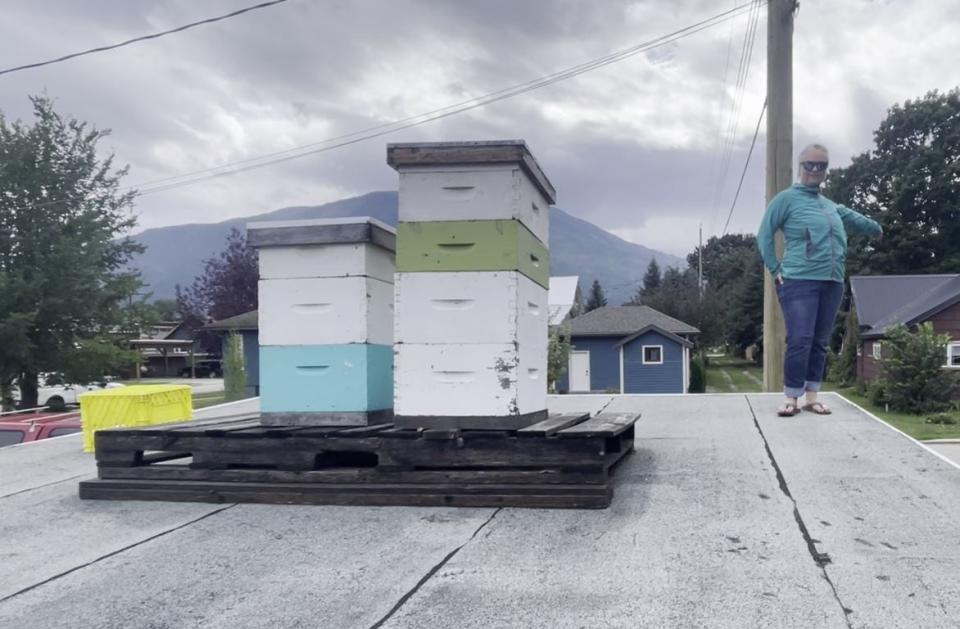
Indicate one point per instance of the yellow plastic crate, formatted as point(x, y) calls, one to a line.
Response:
point(136, 405)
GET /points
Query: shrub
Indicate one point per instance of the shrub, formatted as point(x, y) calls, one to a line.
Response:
point(913, 376)
point(234, 372)
point(698, 382)
point(558, 353)
point(941, 418)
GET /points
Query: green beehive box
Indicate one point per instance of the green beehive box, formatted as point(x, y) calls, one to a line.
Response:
point(501, 245)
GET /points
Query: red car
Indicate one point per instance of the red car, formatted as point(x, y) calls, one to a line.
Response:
point(22, 427)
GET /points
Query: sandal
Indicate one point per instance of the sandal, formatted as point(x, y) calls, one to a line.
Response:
point(788, 410)
point(817, 408)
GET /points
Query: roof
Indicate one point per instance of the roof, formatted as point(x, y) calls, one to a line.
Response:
point(883, 301)
point(561, 297)
point(718, 520)
point(626, 320)
point(161, 342)
point(655, 328)
point(245, 321)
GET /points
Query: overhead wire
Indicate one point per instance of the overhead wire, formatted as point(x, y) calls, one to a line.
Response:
point(235, 167)
point(178, 29)
point(721, 118)
point(239, 166)
point(746, 163)
point(733, 123)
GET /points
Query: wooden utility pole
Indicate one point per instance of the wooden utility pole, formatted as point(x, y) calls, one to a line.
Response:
point(779, 169)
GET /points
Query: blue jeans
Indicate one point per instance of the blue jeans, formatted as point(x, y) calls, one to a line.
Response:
point(809, 310)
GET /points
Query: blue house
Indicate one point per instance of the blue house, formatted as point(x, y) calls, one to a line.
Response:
point(628, 349)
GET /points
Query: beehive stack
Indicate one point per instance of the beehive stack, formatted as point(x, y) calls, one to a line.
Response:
point(471, 285)
point(326, 321)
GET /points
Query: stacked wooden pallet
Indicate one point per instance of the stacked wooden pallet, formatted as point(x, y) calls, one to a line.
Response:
point(563, 461)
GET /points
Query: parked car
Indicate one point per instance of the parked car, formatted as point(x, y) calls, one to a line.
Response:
point(58, 396)
point(204, 369)
point(22, 428)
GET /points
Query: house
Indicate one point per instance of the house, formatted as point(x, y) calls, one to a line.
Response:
point(166, 349)
point(628, 349)
point(883, 301)
point(564, 299)
point(247, 325)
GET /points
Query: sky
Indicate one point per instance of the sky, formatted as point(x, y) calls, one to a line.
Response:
point(649, 148)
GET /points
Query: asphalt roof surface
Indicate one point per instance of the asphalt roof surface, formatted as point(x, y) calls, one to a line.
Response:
point(725, 516)
point(883, 301)
point(617, 320)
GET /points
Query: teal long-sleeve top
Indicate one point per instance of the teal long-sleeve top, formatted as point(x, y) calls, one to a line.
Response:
point(814, 231)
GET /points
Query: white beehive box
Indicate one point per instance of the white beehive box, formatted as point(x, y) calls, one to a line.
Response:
point(483, 191)
point(469, 307)
point(329, 247)
point(343, 260)
point(326, 311)
point(486, 381)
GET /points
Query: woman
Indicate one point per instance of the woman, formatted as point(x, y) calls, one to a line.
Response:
point(809, 279)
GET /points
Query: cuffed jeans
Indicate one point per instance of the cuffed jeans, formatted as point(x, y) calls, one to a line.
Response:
point(809, 310)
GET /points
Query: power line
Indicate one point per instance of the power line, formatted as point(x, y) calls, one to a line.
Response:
point(745, 164)
point(185, 179)
point(231, 168)
point(211, 20)
point(733, 121)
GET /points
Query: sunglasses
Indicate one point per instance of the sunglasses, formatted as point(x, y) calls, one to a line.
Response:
point(814, 167)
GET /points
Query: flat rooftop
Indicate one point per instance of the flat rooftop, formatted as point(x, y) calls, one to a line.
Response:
point(725, 516)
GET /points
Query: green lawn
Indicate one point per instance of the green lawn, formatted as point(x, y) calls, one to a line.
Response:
point(733, 375)
point(913, 425)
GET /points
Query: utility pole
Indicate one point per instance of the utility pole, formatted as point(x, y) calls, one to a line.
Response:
point(779, 169)
point(700, 264)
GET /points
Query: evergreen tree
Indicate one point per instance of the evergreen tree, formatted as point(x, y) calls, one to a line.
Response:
point(596, 298)
point(651, 280)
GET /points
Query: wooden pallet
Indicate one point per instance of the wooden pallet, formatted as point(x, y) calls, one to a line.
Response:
point(563, 461)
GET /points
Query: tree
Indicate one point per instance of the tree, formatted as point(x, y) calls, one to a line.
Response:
point(234, 371)
point(596, 298)
point(651, 280)
point(913, 376)
point(166, 309)
point(63, 252)
point(558, 353)
point(227, 287)
point(910, 184)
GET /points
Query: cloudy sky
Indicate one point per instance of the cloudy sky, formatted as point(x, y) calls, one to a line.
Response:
point(636, 147)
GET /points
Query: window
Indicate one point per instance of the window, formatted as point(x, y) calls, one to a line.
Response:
point(953, 355)
point(57, 432)
point(653, 354)
point(877, 351)
point(10, 437)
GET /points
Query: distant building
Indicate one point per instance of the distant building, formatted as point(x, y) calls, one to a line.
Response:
point(628, 349)
point(247, 325)
point(883, 301)
point(167, 348)
point(564, 298)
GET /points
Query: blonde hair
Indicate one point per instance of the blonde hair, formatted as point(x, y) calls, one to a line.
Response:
point(813, 147)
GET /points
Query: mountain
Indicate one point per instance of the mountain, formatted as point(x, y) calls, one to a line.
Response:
point(175, 254)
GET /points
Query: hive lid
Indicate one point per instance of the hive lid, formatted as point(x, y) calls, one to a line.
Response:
point(323, 231)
